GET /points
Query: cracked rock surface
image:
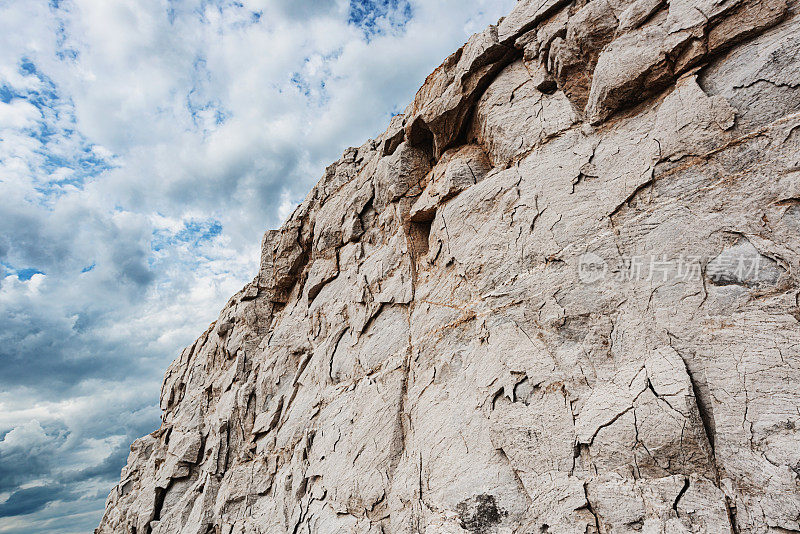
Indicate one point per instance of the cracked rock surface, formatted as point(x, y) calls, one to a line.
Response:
point(558, 295)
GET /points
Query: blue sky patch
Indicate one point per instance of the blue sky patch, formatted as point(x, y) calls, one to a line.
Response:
point(24, 274)
point(6, 94)
point(206, 113)
point(194, 233)
point(27, 274)
point(67, 157)
point(375, 17)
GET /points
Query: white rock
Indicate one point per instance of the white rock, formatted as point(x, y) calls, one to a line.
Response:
point(423, 351)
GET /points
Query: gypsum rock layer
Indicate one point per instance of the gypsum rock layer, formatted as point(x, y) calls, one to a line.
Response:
point(558, 295)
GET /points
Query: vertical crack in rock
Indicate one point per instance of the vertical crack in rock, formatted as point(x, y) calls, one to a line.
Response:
point(590, 508)
point(705, 409)
point(680, 495)
point(558, 293)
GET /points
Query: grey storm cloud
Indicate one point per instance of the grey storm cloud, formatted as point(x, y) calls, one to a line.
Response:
point(39, 353)
point(29, 456)
point(30, 500)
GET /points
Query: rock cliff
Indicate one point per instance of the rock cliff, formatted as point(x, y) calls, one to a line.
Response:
point(558, 295)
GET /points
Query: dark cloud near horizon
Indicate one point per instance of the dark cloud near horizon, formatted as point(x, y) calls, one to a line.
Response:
point(55, 360)
point(38, 455)
point(30, 500)
point(30, 458)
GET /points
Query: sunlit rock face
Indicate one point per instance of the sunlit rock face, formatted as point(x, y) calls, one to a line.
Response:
point(558, 295)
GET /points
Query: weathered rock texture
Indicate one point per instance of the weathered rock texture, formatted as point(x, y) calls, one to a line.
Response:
point(558, 295)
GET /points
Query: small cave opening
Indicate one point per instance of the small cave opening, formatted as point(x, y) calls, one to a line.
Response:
point(419, 232)
point(420, 136)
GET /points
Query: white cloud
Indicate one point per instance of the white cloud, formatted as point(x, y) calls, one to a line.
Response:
point(23, 437)
point(18, 114)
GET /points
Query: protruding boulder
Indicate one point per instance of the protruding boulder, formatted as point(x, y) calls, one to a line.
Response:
point(400, 174)
point(457, 170)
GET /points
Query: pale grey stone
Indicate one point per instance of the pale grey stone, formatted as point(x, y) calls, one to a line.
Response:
point(422, 350)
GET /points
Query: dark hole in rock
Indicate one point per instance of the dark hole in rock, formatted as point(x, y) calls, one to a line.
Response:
point(420, 136)
point(479, 514)
point(419, 232)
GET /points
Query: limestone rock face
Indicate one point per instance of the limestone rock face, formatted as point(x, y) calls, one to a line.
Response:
point(558, 295)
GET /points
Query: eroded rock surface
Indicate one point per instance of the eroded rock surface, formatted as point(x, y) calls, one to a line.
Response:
point(558, 295)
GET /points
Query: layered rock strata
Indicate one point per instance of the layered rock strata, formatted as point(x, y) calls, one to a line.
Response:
point(558, 295)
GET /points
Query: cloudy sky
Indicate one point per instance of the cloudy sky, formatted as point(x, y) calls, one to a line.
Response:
point(145, 146)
